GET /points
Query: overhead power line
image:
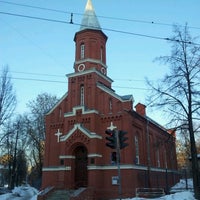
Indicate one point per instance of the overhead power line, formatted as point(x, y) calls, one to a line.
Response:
point(63, 82)
point(58, 75)
point(35, 7)
point(33, 17)
point(107, 29)
point(40, 80)
point(37, 74)
point(99, 16)
point(62, 76)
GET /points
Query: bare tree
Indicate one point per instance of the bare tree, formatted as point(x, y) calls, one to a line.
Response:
point(15, 144)
point(7, 96)
point(183, 153)
point(7, 103)
point(36, 131)
point(179, 91)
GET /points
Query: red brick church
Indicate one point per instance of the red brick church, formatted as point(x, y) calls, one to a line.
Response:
point(76, 154)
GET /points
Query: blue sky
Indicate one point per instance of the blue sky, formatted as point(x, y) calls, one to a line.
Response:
point(36, 49)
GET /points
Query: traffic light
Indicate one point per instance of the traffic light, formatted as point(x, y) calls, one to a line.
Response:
point(112, 142)
point(122, 139)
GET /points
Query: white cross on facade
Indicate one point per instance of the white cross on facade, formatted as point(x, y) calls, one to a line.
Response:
point(58, 134)
point(112, 127)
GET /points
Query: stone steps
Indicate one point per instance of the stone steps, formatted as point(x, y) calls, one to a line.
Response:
point(60, 195)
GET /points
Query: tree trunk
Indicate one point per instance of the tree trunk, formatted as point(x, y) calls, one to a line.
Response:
point(195, 167)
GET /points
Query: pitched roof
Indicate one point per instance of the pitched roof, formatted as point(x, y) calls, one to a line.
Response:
point(90, 20)
point(112, 93)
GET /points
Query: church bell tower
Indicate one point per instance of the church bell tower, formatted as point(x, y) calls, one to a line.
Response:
point(90, 43)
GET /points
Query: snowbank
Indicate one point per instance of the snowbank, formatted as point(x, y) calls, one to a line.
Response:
point(179, 191)
point(180, 195)
point(30, 193)
point(21, 193)
point(177, 196)
point(181, 185)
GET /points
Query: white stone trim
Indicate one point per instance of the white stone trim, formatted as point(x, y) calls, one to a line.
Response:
point(66, 157)
point(55, 169)
point(91, 60)
point(84, 131)
point(92, 155)
point(107, 167)
point(84, 112)
point(88, 72)
point(111, 167)
point(130, 167)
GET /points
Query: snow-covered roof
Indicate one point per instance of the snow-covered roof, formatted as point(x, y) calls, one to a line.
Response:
point(127, 97)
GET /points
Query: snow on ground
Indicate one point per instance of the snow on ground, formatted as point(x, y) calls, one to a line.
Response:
point(21, 193)
point(182, 185)
point(179, 191)
point(187, 195)
point(30, 193)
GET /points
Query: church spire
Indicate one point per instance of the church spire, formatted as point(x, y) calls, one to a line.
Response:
point(90, 20)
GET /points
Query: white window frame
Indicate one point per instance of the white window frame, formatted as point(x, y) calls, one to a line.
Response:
point(82, 51)
point(82, 95)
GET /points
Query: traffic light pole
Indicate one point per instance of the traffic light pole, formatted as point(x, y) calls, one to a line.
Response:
point(118, 162)
point(116, 140)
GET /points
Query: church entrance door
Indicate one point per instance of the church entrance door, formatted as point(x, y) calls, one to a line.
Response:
point(81, 162)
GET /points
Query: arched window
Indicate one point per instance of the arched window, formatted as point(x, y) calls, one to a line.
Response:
point(82, 51)
point(82, 95)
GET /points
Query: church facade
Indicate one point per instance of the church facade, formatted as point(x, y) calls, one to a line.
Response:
point(76, 154)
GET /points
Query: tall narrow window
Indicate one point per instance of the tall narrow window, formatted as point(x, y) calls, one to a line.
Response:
point(101, 54)
point(137, 157)
point(82, 95)
point(158, 157)
point(60, 112)
point(165, 154)
point(110, 105)
point(82, 51)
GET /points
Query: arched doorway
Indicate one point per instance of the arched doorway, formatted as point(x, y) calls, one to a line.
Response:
point(81, 162)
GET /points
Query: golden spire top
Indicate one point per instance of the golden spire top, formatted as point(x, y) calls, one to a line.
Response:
point(90, 20)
